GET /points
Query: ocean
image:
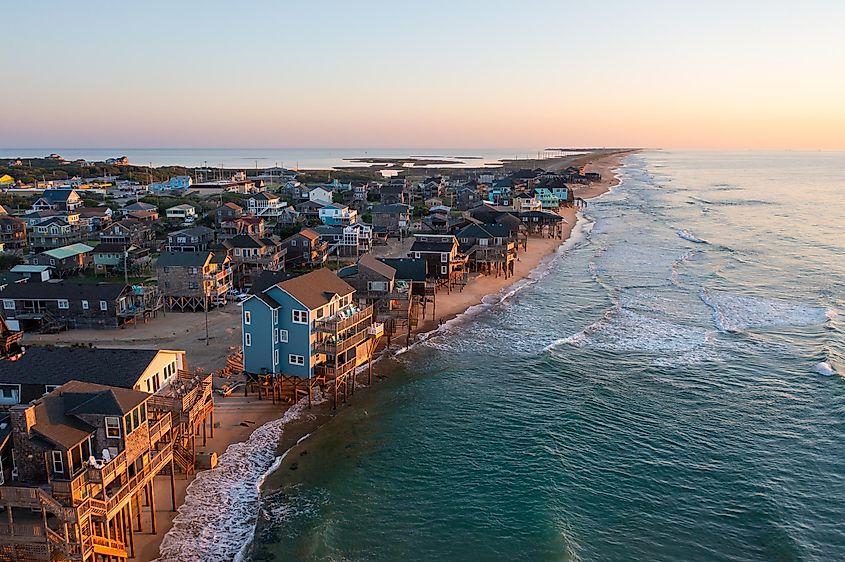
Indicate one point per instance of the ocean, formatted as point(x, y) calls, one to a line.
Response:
point(668, 386)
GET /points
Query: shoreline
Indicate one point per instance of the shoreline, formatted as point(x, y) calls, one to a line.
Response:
point(291, 424)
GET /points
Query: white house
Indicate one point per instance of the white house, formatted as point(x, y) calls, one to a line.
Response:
point(320, 195)
point(183, 212)
point(266, 205)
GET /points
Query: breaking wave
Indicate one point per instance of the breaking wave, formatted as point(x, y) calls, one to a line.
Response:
point(217, 520)
point(690, 237)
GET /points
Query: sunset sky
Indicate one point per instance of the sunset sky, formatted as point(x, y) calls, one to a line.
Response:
point(489, 74)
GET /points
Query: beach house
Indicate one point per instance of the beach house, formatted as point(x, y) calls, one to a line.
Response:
point(337, 214)
point(184, 213)
point(193, 239)
point(194, 280)
point(12, 234)
point(53, 306)
point(308, 330)
point(66, 260)
point(266, 205)
point(490, 248)
point(55, 232)
point(58, 200)
point(394, 217)
point(306, 248)
point(445, 264)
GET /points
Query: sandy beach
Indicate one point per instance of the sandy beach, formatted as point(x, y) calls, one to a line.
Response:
point(236, 416)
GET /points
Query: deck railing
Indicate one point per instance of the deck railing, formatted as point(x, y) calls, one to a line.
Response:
point(338, 324)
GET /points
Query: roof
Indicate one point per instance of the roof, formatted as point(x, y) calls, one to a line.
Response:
point(266, 195)
point(246, 241)
point(58, 195)
point(233, 206)
point(316, 288)
point(110, 248)
point(27, 268)
point(183, 259)
point(182, 206)
point(394, 208)
point(68, 251)
point(439, 247)
point(484, 231)
point(64, 290)
point(58, 365)
point(56, 414)
point(328, 229)
point(140, 206)
point(407, 269)
point(267, 279)
point(309, 233)
point(379, 267)
point(193, 231)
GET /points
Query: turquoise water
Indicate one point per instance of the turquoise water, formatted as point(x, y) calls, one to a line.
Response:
point(665, 389)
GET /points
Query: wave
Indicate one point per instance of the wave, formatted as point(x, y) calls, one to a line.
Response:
point(734, 313)
point(825, 369)
point(690, 237)
point(217, 520)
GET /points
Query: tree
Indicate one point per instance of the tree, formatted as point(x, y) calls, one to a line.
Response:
point(8, 261)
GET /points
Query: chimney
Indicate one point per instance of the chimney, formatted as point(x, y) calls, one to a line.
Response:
point(23, 417)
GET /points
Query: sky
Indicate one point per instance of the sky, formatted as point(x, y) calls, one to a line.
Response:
point(742, 74)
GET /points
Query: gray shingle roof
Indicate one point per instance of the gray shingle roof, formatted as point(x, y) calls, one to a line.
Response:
point(58, 365)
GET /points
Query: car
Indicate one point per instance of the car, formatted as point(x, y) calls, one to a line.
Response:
point(241, 297)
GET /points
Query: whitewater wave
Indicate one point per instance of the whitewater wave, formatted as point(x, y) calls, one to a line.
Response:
point(735, 313)
point(217, 520)
point(825, 369)
point(690, 237)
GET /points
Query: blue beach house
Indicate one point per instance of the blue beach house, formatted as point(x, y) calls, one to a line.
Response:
point(308, 329)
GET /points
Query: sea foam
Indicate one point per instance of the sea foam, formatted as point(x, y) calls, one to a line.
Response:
point(735, 313)
point(217, 519)
point(825, 369)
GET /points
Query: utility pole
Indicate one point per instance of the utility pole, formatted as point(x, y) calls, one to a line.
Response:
point(206, 316)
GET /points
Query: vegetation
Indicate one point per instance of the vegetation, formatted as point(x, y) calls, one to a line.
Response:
point(31, 170)
point(8, 261)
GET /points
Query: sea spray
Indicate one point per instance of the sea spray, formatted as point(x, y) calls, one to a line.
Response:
point(220, 511)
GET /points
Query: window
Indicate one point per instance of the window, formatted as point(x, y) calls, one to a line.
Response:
point(113, 428)
point(417, 255)
point(104, 305)
point(300, 316)
point(63, 303)
point(293, 242)
point(444, 270)
point(58, 462)
point(444, 257)
point(283, 336)
point(296, 360)
point(247, 317)
point(48, 388)
point(275, 357)
point(8, 304)
point(377, 286)
point(52, 261)
point(10, 391)
point(276, 336)
point(247, 339)
point(275, 316)
point(84, 305)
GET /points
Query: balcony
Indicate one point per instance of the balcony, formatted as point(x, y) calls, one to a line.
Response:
point(343, 321)
point(335, 346)
point(328, 370)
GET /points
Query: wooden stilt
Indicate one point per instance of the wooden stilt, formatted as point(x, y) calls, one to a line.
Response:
point(172, 485)
point(152, 506)
point(128, 523)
